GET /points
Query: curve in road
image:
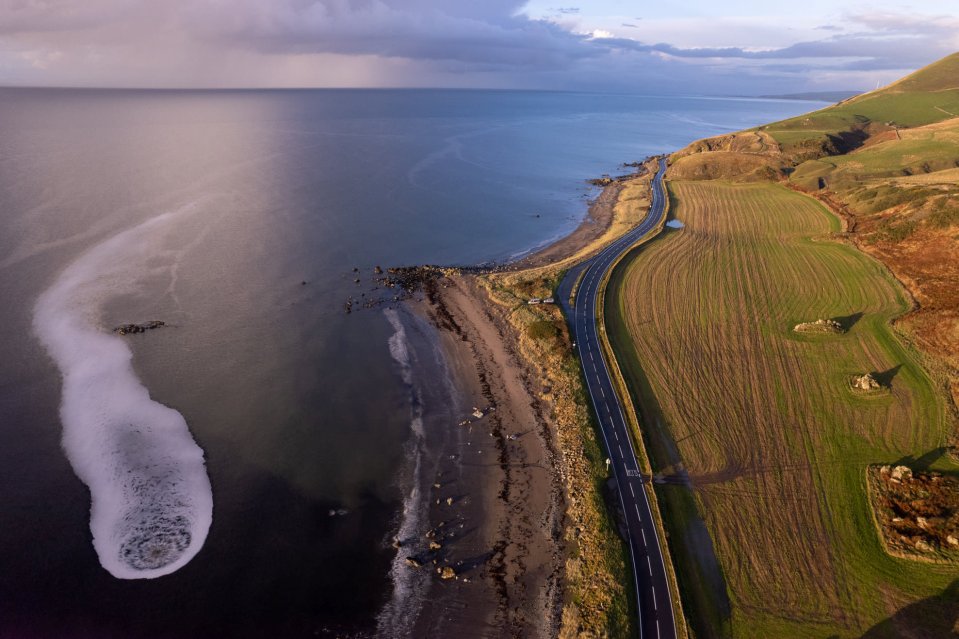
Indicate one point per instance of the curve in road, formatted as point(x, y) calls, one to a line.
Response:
point(656, 617)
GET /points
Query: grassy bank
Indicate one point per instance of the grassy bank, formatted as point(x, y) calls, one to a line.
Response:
point(599, 596)
point(762, 420)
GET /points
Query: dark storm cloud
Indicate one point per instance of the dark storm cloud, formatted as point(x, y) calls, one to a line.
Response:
point(483, 32)
point(491, 43)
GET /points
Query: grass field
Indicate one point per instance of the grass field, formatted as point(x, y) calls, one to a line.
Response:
point(762, 422)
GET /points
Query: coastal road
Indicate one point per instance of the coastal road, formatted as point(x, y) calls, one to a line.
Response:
point(656, 615)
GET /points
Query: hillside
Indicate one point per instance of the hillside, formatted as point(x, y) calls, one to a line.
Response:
point(888, 162)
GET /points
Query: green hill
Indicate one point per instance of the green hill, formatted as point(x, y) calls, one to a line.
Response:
point(927, 96)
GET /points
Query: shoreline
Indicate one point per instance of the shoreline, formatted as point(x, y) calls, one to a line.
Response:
point(498, 505)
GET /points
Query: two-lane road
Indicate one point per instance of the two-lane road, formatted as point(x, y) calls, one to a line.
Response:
point(656, 617)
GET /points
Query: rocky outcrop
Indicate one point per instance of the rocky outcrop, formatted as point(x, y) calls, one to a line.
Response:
point(865, 383)
point(917, 512)
point(446, 572)
point(819, 326)
point(899, 473)
point(127, 329)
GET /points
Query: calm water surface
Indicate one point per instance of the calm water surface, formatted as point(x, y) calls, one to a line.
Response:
point(298, 408)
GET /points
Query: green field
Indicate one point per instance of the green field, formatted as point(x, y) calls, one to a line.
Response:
point(764, 424)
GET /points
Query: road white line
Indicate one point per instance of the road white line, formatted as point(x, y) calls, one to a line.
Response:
point(649, 566)
point(632, 493)
point(657, 629)
point(638, 516)
point(644, 535)
point(655, 607)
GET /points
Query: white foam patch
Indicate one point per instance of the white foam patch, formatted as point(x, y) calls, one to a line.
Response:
point(152, 504)
point(409, 588)
point(399, 345)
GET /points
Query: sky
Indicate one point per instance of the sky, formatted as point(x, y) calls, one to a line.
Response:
point(734, 47)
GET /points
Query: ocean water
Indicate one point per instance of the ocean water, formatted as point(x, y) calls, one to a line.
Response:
point(180, 482)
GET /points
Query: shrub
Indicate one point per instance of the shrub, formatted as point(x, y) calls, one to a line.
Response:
point(542, 329)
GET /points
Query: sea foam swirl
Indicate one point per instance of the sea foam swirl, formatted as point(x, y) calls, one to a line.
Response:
point(151, 501)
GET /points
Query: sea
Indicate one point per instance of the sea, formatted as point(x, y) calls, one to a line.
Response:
point(241, 470)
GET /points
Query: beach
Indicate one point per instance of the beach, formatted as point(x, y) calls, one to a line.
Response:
point(494, 536)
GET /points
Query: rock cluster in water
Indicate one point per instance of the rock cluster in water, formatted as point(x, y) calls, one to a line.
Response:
point(126, 329)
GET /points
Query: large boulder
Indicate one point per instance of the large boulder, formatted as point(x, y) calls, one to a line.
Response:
point(819, 326)
point(446, 572)
point(865, 382)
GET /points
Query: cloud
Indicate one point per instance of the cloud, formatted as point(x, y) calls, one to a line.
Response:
point(485, 33)
point(428, 42)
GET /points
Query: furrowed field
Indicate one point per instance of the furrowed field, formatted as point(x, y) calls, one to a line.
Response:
point(756, 428)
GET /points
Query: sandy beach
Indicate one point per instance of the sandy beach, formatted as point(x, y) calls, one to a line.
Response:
point(496, 537)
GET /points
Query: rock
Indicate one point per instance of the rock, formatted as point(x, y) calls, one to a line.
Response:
point(449, 501)
point(922, 523)
point(603, 181)
point(446, 572)
point(952, 541)
point(378, 270)
point(413, 562)
point(126, 329)
point(902, 472)
point(397, 543)
point(865, 382)
point(435, 545)
point(923, 546)
point(819, 326)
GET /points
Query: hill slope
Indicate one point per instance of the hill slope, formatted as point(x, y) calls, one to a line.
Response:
point(888, 162)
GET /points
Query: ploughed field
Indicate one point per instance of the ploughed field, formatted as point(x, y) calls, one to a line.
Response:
point(761, 422)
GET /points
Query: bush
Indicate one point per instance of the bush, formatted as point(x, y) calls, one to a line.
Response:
point(945, 213)
point(542, 329)
point(898, 232)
